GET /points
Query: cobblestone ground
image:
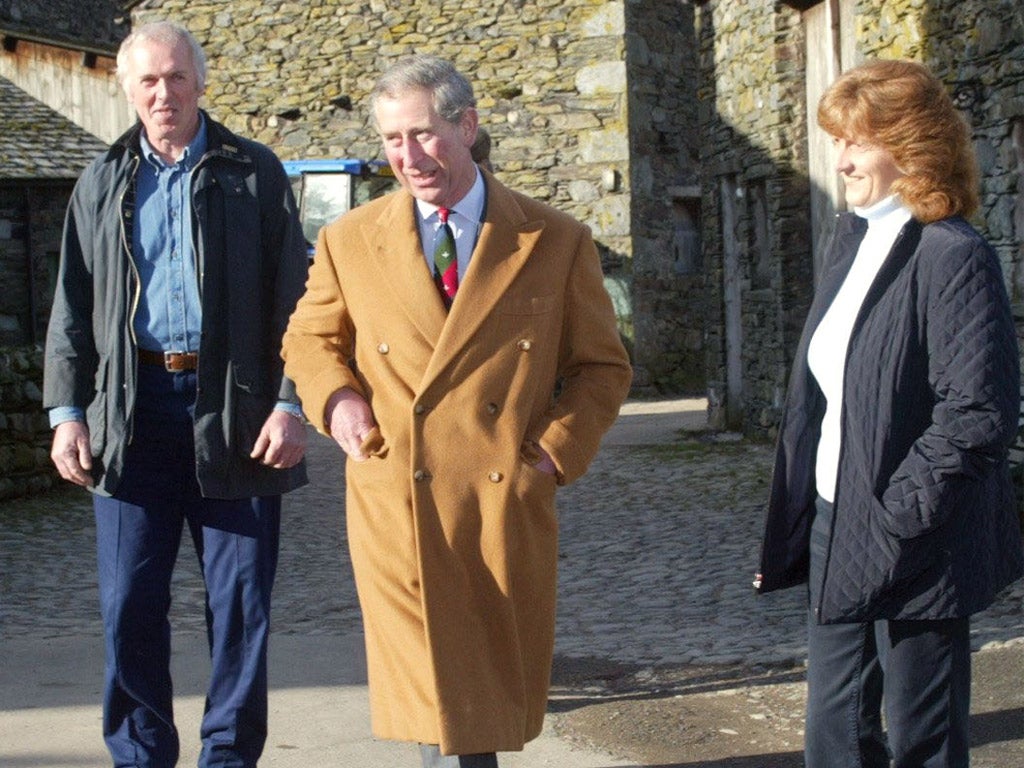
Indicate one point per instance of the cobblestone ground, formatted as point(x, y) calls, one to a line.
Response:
point(664, 652)
point(658, 548)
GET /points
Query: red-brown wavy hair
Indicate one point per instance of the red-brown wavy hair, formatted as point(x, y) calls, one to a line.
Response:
point(903, 108)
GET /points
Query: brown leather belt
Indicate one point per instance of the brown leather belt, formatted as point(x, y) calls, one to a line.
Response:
point(172, 361)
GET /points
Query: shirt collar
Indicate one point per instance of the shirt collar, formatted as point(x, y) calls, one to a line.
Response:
point(189, 156)
point(470, 207)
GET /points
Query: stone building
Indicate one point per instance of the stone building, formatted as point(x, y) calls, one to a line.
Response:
point(677, 130)
point(768, 186)
point(41, 154)
point(60, 52)
point(589, 104)
point(55, 77)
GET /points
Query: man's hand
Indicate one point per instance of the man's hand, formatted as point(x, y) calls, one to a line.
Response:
point(282, 441)
point(546, 464)
point(350, 421)
point(71, 453)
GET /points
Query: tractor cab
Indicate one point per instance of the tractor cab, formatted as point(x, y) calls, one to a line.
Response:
point(325, 189)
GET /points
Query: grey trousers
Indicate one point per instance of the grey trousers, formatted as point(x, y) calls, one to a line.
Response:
point(432, 758)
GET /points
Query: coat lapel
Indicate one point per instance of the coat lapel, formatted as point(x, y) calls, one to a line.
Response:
point(850, 231)
point(503, 248)
point(403, 269)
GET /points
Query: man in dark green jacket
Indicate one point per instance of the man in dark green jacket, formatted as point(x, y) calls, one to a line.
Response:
point(182, 260)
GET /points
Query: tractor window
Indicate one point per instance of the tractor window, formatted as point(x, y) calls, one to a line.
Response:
point(371, 186)
point(325, 196)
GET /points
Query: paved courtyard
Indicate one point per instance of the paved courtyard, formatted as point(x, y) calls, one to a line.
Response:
point(659, 543)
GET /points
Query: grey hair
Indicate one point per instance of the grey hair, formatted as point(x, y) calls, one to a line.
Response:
point(169, 33)
point(451, 91)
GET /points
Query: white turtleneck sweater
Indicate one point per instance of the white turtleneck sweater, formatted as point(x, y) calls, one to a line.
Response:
point(826, 355)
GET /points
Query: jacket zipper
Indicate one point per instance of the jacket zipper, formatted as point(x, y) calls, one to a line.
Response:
point(126, 243)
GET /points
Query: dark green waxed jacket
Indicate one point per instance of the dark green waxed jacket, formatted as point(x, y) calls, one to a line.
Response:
point(252, 265)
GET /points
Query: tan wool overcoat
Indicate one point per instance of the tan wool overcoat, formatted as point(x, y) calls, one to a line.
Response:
point(453, 534)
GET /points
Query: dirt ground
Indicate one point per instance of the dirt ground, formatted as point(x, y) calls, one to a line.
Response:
point(731, 717)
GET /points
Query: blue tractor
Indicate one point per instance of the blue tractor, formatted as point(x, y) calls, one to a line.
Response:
point(325, 189)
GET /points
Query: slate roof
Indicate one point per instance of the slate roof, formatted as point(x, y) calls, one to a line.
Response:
point(97, 26)
point(38, 143)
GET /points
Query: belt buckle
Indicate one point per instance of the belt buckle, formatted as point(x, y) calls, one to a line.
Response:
point(174, 361)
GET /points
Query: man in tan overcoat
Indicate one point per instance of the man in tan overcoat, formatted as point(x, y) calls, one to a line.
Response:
point(459, 415)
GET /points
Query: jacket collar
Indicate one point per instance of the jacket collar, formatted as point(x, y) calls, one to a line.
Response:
point(849, 232)
point(219, 141)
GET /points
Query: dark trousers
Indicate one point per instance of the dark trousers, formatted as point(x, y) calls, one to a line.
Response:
point(919, 670)
point(138, 533)
point(432, 758)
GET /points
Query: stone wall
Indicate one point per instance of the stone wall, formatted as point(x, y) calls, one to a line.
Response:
point(25, 435)
point(585, 101)
point(756, 198)
point(752, 71)
point(667, 270)
point(549, 77)
point(31, 221)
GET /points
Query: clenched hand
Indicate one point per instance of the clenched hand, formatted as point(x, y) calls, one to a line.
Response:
point(71, 454)
point(282, 441)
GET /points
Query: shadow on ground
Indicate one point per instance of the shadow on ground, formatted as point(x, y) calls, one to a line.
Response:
point(748, 717)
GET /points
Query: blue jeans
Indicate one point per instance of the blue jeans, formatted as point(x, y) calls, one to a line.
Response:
point(921, 670)
point(138, 532)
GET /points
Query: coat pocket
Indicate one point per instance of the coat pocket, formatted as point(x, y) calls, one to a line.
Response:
point(96, 416)
point(519, 304)
point(903, 560)
point(534, 487)
point(248, 378)
point(250, 412)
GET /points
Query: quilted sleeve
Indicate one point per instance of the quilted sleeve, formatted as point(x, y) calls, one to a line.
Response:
point(975, 379)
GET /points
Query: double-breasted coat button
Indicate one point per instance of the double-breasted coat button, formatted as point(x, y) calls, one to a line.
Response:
point(420, 475)
point(492, 408)
point(524, 344)
point(383, 348)
point(496, 477)
point(419, 409)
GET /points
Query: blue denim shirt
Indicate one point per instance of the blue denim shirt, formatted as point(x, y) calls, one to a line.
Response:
point(169, 315)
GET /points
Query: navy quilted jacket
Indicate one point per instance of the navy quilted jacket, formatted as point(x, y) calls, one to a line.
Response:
point(925, 519)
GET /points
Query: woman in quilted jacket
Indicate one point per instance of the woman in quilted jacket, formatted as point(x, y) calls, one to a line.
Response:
point(891, 495)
